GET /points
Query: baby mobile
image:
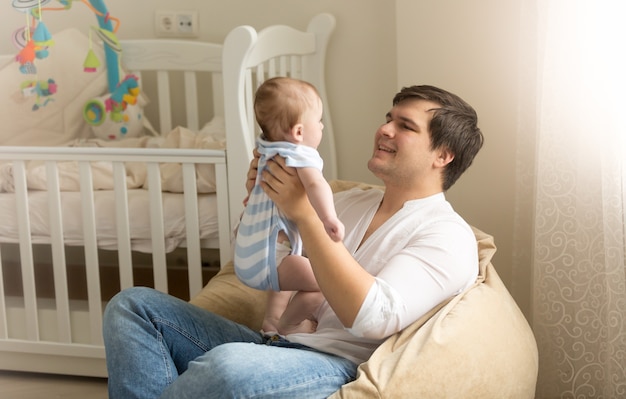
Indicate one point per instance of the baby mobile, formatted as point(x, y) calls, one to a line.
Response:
point(34, 43)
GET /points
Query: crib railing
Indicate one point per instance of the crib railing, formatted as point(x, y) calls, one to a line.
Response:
point(63, 353)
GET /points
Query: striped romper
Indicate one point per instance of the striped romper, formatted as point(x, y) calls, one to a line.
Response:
point(255, 245)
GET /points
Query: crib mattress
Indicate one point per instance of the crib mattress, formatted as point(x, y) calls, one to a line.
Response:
point(105, 219)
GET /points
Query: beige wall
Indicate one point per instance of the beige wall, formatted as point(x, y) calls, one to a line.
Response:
point(468, 47)
point(472, 48)
point(361, 69)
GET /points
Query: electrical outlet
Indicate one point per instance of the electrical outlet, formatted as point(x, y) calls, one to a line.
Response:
point(186, 23)
point(165, 23)
point(168, 23)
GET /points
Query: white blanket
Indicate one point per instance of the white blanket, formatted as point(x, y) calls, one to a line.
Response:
point(136, 172)
point(105, 220)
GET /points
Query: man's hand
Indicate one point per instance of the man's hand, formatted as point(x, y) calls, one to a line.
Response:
point(283, 186)
point(252, 172)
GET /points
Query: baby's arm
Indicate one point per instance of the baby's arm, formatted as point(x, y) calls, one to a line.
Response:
point(321, 196)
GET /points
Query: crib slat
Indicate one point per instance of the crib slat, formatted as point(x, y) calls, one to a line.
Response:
point(272, 70)
point(249, 99)
point(58, 253)
point(26, 251)
point(165, 116)
point(192, 228)
point(218, 93)
point(223, 219)
point(156, 227)
point(260, 75)
point(91, 252)
point(284, 65)
point(123, 229)
point(191, 101)
point(4, 325)
point(292, 66)
point(296, 67)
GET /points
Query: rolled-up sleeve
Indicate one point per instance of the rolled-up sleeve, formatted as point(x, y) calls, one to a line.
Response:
point(411, 283)
point(381, 313)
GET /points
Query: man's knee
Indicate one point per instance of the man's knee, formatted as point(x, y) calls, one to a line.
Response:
point(226, 366)
point(125, 302)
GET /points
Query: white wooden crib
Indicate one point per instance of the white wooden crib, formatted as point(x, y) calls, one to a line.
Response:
point(45, 324)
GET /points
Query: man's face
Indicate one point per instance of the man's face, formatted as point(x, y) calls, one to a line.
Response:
point(402, 145)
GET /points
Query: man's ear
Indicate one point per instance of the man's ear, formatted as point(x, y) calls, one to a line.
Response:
point(297, 132)
point(444, 157)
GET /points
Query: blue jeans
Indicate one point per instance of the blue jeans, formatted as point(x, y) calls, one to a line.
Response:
point(158, 346)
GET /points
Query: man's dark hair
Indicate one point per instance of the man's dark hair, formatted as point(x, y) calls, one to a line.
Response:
point(454, 126)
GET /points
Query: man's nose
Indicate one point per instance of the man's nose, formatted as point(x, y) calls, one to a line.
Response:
point(387, 130)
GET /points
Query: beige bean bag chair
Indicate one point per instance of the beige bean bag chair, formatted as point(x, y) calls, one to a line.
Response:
point(477, 345)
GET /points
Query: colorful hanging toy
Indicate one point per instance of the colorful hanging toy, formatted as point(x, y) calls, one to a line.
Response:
point(34, 41)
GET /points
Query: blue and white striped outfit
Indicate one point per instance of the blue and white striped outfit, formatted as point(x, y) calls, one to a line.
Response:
point(255, 245)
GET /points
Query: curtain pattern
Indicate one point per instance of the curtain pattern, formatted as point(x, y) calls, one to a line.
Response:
point(577, 156)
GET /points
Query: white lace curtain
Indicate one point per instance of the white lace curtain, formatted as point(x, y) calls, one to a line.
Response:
point(571, 178)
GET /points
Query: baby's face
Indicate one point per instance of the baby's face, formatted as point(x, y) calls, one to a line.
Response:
point(312, 123)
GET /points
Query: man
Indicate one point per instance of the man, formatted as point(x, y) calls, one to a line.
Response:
point(405, 250)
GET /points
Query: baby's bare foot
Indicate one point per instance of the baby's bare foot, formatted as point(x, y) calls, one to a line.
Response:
point(305, 326)
point(270, 326)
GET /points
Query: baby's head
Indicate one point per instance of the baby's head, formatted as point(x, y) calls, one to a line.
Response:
point(289, 109)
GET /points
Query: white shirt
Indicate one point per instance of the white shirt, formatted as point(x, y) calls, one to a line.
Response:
point(423, 255)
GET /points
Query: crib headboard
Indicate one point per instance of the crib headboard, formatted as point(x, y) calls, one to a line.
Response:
point(163, 57)
point(249, 58)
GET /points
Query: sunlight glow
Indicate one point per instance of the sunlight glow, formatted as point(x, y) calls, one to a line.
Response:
point(585, 71)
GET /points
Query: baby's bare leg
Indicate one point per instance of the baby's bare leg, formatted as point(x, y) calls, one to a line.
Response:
point(295, 274)
point(277, 302)
point(298, 317)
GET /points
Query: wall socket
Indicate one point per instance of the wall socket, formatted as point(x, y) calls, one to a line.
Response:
point(168, 23)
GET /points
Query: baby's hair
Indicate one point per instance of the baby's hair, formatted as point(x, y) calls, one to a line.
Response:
point(279, 104)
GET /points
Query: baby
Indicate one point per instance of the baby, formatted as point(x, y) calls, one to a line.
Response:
point(268, 247)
